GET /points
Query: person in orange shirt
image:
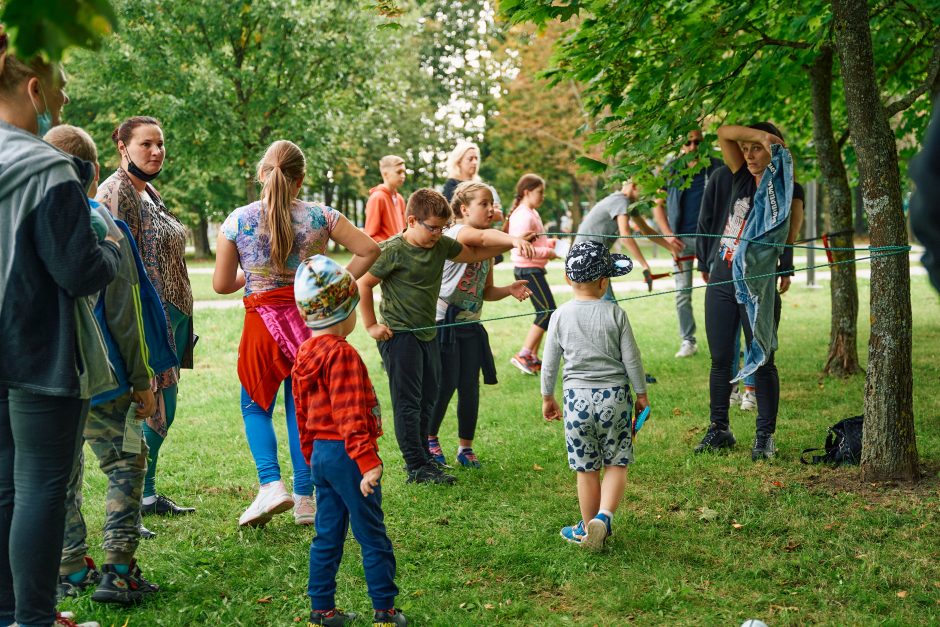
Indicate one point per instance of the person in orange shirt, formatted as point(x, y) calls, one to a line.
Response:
point(385, 209)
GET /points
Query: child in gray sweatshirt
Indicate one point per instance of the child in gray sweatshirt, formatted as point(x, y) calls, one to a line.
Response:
point(601, 362)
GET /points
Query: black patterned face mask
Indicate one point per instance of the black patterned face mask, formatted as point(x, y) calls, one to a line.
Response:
point(143, 176)
point(589, 261)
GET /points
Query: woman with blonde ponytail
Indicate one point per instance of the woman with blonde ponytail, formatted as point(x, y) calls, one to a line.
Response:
point(259, 248)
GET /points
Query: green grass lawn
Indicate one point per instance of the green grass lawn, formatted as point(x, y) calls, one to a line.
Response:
point(789, 544)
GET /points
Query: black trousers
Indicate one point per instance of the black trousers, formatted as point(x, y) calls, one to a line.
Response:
point(460, 372)
point(39, 438)
point(722, 316)
point(414, 374)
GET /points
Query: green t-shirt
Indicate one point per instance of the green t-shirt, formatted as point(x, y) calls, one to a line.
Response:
point(411, 282)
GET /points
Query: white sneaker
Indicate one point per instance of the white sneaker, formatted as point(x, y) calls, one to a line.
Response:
point(687, 349)
point(272, 499)
point(748, 401)
point(735, 398)
point(68, 618)
point(305, 509)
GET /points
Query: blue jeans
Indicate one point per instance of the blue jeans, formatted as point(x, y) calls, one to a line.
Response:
point(259, 429)
point(683, 276)
point(339, 504)
point(39, 439)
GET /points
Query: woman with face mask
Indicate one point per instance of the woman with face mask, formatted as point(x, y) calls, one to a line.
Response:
point(161, 239)
point(51, 256)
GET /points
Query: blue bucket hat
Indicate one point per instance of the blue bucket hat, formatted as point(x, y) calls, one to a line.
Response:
point(325, 292)
point(589, 261)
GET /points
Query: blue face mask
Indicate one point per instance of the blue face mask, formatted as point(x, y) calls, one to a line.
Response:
point(44, 119)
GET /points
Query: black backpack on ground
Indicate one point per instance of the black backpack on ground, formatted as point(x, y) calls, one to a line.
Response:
point(843, 444)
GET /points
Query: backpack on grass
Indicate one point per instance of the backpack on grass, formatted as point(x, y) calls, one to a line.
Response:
point(843, 444)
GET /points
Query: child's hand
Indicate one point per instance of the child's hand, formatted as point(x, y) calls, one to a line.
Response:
point(520, 290)
point(369, 480)
point(530, 236)
point(525, 248)
point(550, 408)
point(642, 402)
point(379, 332)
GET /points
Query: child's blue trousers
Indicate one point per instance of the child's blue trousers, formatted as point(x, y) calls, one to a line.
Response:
point(336, 478)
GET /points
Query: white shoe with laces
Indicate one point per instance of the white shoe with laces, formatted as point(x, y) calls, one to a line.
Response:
point(272, 499)
point(305, 509)
point(687, 349)
point(748, 400)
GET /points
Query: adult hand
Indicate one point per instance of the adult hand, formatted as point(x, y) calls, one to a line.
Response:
point(675, 245)
point(784, 284)
point(705, 277)
point(524, 246)
point(369, 480)
point(530, 236)
point(769, 139)
point(379, 332)
point(146, 403)
point(550, 408)
point(520, 290)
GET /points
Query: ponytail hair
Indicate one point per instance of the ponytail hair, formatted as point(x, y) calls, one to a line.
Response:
point(527, 183)
point(282, 166)
point(464, 195)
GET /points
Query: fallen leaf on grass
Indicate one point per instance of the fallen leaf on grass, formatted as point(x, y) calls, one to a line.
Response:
point(508, 601)
point(784, 608)
point(536, 467)
point(936, 584)
point(297, 619)
point(736, 524)
point(676, 411)
point(791, 546)
point(776, 484)
point(902, 594)
point(707, 513)
point(266, 599)
point(489, 606)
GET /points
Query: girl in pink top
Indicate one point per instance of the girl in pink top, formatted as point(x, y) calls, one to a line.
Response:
point(530, 191)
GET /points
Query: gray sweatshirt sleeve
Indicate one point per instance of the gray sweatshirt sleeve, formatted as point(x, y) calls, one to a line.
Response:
point(551, 357)
point(630, 353)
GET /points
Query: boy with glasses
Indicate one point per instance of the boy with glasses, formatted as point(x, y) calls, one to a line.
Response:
point(410, 269)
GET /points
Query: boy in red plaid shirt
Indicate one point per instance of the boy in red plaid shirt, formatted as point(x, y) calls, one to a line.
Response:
point(339, 421)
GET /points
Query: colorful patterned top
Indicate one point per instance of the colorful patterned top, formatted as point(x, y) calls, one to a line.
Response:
point(160, 237)
point(313, 224)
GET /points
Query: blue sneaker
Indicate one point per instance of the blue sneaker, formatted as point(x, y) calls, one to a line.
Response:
point(597, 531)
point(434, 447)
point(574, 534)
point(468, 459)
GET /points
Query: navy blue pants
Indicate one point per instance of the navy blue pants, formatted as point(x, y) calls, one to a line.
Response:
point(339, 504)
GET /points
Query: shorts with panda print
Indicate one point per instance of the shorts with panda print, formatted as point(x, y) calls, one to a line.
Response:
point(598, 427)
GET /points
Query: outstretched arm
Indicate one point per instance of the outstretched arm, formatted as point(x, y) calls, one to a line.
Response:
point(471, 236)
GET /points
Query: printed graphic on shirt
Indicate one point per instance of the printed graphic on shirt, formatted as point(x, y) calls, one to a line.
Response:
point(733, 229)
point(468, 294)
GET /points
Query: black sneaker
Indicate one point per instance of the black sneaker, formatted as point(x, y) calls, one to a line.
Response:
point(715, 439)
point(429, 473)
point(389, 618)
point(764, 447)
point(146, 534)
point(164, 506)
point(333, 618)
point(123, 589)
point(69, 588)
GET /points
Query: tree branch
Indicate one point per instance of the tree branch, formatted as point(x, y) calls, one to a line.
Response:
point(933, 68)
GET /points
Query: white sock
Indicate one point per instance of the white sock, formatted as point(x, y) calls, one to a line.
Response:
point(148, 500)
point(461, 449)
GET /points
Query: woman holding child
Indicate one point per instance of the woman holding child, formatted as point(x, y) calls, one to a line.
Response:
point(268, 239)
point(161, 239)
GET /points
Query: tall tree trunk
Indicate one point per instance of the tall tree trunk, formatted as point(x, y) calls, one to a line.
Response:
point(843, 288)
point(889, 448)
point(201, 238)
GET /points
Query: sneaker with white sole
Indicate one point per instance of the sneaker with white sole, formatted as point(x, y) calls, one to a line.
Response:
point(735, 398)
point(748, 400)
point(574, 534)
point(596, 533)
point(528, 364)
point(687, 349)
point(305, 509)
point(67, 619)
point(272, 499)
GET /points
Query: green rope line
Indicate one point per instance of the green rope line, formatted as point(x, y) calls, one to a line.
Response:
point(663, 293)
point(743, 239)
